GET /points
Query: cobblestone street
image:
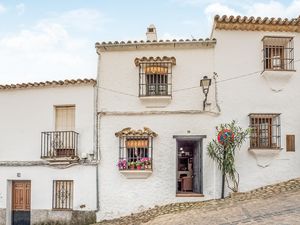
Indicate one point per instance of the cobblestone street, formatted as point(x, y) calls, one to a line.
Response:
point(275, 204)
point(281, 209)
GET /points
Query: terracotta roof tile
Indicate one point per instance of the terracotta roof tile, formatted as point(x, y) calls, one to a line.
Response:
point(122, 45)
point(48, 84)
point(257, 23)
point(131, 132)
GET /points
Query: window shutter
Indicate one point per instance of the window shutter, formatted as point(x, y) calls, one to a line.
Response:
point(290, 143)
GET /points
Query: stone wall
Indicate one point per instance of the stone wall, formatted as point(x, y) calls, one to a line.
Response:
point(49, 217)
point(2, 216)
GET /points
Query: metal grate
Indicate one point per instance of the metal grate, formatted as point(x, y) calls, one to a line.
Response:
point(265, 131)
point(155, 79)
point(134, 151)
point(278, 53)
point(62, 194)
point(55, 144)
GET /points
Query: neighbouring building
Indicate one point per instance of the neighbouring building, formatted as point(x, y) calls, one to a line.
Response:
point(155, 120)
point(48, 157)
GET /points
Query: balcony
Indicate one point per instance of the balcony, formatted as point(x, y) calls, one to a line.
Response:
point(59, 146)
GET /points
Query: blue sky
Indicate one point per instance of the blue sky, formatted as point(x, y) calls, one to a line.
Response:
point(54, 39)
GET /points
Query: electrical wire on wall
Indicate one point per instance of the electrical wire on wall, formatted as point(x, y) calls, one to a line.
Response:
point(193, 87)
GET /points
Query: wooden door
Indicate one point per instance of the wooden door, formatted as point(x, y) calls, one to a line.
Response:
point(21, 198)
point(197, 166)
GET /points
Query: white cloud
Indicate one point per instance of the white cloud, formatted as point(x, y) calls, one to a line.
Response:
point(251, 8)
point(20, 8)
point(50, 49)
point(2, 9)
point(218, 8)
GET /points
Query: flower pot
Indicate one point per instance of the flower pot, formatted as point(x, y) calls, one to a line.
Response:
point(139, 167)
point(132, 167)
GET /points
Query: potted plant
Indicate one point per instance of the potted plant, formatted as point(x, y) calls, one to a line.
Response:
point(138, 165)
point(122, 164)
point(132, 165)
point(146, 162)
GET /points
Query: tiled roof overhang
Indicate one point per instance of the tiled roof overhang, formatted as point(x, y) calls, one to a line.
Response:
point(171, 60)
point(131, 132)
point(256, 24)
point(161, 44)
point(48, 84)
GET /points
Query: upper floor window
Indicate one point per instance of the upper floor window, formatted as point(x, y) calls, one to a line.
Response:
point(265, 131)
point(278, 53)
point(136, 149)
point(155, 76)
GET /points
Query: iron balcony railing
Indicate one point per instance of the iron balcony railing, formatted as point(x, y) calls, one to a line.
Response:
point(58, 144)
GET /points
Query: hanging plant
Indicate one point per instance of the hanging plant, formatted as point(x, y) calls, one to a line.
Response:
point(222, 150)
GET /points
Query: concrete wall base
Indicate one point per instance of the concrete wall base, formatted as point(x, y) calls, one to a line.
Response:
point(50, 217)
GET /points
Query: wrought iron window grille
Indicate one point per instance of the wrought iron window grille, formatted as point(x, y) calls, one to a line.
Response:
point(62, 195)
point(135, 152)
point(278, 53)
point(155, 79)
point(266, 131)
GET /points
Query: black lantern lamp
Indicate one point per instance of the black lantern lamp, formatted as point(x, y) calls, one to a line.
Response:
point(205, 83)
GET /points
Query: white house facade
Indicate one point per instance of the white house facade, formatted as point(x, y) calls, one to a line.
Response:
point(48, 153)
point(155, 121)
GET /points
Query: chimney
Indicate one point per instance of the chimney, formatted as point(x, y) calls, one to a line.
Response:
point(151, 33)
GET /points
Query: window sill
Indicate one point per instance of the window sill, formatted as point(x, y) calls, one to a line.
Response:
point(156, 101)
point(164, 97)
point(136, 174)
point(277, 79)
point(264, 156)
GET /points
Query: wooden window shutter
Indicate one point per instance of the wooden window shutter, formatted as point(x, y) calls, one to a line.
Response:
point(290, 143)
point(65, 118)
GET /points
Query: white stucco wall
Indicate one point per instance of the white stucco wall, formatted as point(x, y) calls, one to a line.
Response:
point(28, 112)
point(236, 53)
point(25, 113)
point(119, 195)
point(240, 53)
point(84, 183)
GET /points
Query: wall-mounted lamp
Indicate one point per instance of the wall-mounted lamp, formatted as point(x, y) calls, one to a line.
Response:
point(205, 83)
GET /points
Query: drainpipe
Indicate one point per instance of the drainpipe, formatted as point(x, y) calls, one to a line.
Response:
point(97, 132)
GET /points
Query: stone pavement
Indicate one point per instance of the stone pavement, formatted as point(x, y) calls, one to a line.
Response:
point(275, 204)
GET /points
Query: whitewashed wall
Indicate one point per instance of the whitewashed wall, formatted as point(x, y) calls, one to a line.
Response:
point(24, 115)
point(240, 53)
point(84, 181)
point(28, 112)
point(236, 54)
point(119, 195)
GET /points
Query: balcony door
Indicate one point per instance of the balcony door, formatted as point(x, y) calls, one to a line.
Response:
point(21, 194)
point(64, 137)
point(65, 118)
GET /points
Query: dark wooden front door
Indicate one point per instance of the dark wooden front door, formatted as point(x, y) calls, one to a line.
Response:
point(21, 193)
point(197, 165)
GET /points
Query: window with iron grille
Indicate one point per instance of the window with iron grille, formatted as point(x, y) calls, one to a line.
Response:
point(62, 194)
point(135, 152)
point(155, 79)
point(265, 131)
point(155, 75)
point(278, 53)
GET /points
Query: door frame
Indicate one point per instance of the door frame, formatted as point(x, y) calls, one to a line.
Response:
point(11, 198)
point(193, 138)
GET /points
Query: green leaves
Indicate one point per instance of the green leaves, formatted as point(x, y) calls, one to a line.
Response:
point(224, 155)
